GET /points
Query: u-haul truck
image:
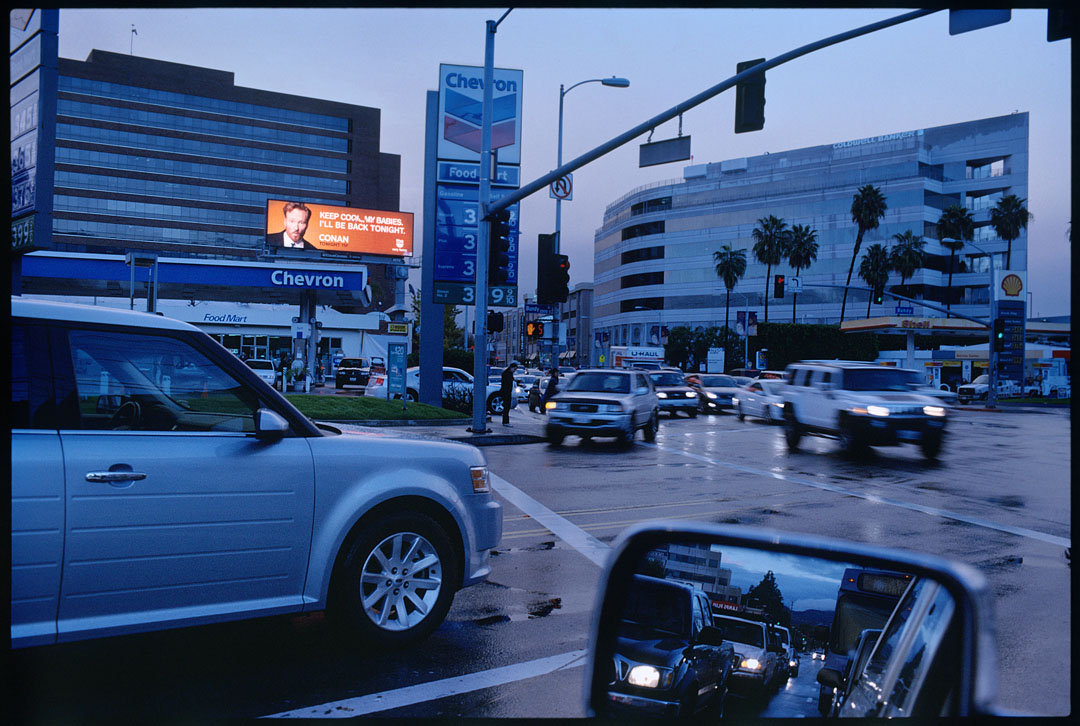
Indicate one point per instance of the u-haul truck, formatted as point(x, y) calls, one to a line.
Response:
point(625, 356)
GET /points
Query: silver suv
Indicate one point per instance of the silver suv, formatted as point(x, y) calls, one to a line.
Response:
point(861, 404)
point(158, 482)
point(604, 402)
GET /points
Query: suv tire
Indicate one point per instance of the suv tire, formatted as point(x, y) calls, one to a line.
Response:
point(652, 427)
point(379, 623)
point(931, 446)
point(850, 442)
point(792, 432)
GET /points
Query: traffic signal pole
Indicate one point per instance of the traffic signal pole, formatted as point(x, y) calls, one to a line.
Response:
point(487, 206)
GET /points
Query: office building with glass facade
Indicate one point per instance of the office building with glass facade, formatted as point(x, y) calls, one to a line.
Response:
point(653, 256)
point(178, 162)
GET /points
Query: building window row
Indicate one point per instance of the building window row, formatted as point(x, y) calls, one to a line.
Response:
point(190, 169)
point(650, 303)
point(150, 188)
point(139, 233)
point(987, 168)
point(643, 253)
point(201, 103)
point(148, 210)
point(653, 205)
point(139, 117)
point(976, 202)
point(175, 145)
point(643, 278)
point(639, 230)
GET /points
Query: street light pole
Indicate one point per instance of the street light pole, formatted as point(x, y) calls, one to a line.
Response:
point(613, 82)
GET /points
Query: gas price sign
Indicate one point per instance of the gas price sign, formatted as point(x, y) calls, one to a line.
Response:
point(457, 227)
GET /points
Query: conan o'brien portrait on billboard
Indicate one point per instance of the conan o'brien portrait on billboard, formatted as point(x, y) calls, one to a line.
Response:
point(301, 225)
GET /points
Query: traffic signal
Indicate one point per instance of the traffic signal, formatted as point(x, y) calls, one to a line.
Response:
point(534, 329)
point(499, 248)
point(778, 286)
point(879, 294)
point(561, 284)
point(495, 322)
point(750, 100)
point(545, 265)
point(999, 335)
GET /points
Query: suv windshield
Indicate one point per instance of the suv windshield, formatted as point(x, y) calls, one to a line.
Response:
point(352, 363)
point(667, 379)
point(872, 379)
point(718, 382)
point(652, 607)
point(740, 632)
point(600, 382)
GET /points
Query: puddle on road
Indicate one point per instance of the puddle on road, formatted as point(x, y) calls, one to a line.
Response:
point(1009, 500)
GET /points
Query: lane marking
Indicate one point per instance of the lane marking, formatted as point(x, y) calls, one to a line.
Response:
point(933, 511)
point(422, 692)
point(594, 550)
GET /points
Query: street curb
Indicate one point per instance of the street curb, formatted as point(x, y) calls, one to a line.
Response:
point(378, 422)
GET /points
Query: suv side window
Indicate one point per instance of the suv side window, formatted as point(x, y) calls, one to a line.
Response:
point(698, 618)
point(800, 377)
point(149, 382)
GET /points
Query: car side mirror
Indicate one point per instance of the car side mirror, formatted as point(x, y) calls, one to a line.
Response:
point(270, 426)
point(711, 635)
point(642, 391)
point(829, 677)
point(942, 606)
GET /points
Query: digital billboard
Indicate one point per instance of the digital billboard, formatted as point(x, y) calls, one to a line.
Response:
point(321, 227)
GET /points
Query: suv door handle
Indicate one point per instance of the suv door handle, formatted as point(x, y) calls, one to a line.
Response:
point(114, 476)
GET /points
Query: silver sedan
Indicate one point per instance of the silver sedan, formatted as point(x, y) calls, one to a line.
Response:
point(761, 398)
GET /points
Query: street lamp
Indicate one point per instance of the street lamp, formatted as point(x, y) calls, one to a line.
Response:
point(613, 82)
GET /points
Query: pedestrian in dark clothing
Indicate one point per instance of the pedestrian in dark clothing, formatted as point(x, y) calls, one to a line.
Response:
point(549, 391)
point(506, 391)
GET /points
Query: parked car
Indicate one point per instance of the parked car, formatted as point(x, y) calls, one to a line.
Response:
point(762, 399)
point(352, 372)
point(669, 659)
point(456, 382)
point(715, 391)
point(979, 389)
point(604, 402)
point(143, 500)
point(757, 656)
point(264, 369)
point(789, 663)
point(674, 394)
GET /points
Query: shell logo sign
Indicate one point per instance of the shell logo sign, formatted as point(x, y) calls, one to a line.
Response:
point(1012, 285)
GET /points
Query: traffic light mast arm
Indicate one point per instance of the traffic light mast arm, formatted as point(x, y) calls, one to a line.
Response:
point(923, 303)
point(543, 181)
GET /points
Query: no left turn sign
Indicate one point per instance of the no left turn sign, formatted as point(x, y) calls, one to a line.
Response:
point(562, 188)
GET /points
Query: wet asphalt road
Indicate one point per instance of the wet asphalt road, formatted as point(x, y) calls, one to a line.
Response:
point(999, 499)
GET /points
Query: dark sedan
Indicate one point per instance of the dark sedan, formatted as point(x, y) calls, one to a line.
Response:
point(352, 372)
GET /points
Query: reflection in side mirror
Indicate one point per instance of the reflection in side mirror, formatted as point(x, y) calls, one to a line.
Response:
point(934, 656)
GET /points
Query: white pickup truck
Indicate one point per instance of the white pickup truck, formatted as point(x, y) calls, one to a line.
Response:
point(978, 389)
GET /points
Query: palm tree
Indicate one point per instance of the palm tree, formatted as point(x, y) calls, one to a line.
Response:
point(874, 269)
point(730, 266)
point(908, 255)
point(867, 208)
point(1008, 217)
point(770, 245)
point(802, 252)
point(955, 226)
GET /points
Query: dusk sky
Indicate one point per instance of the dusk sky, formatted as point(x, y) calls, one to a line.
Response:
point(904, 78)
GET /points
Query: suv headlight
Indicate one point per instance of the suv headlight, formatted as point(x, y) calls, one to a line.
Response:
point(877, 410)
point(750, 664)
point(647, 676)
point(609, 408)
point(559, 405)
point(661, 394)
point(933, 410)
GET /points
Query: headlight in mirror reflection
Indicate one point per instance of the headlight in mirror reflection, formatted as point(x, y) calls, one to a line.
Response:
point(647, 676)
point(931, 616)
